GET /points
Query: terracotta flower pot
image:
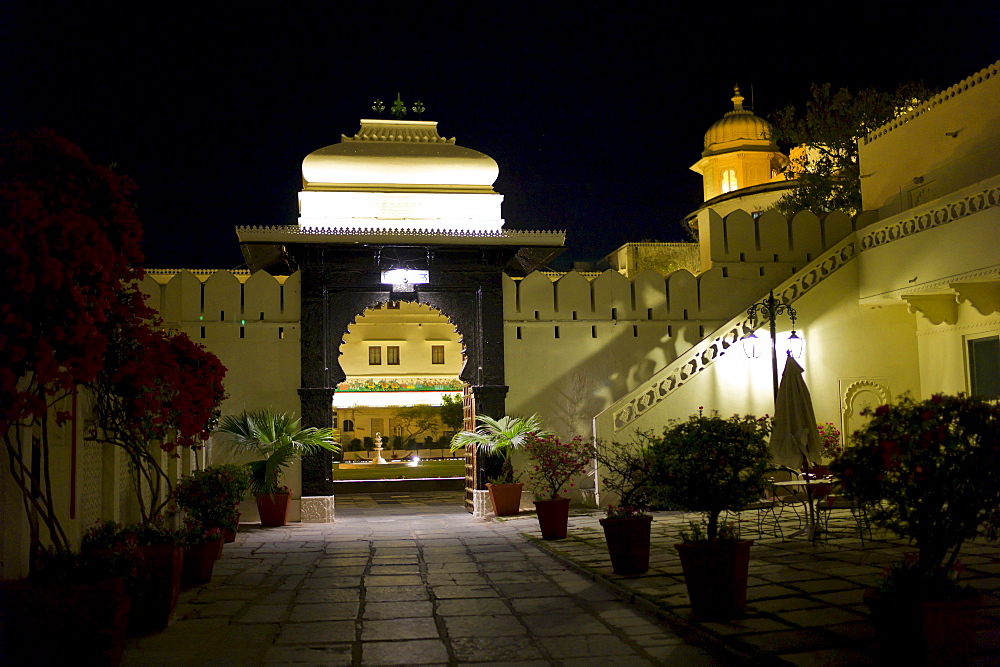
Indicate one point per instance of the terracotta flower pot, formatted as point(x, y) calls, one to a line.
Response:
point(914, 632)
point(199, 562)
point(716, 576)
point(156, 588)
point(506, 498)
point(553, 517)
point(273, 508)
point(628, 544)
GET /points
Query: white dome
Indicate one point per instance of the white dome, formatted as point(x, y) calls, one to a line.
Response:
point(400, 155)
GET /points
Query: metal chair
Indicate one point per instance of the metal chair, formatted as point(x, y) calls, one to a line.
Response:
point(834, 502)
point(763, 507)
point(789, 497)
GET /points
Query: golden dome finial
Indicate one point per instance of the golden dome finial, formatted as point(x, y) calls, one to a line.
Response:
point(737, 99)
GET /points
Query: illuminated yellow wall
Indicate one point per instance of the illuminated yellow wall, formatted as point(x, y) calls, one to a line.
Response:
point(949, 143)
point(751, 168)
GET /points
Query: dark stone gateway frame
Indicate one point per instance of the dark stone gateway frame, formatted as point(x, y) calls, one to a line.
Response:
point(340, 282)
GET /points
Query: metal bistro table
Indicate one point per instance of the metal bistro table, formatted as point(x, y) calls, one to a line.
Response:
point(811, 528)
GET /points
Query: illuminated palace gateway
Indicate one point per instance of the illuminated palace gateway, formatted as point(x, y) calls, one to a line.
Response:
point(397, 218)
point(400, 276)
point(903, 297)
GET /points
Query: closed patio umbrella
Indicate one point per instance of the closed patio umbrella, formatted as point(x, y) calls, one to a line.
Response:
point(795, 435)
point(795, 439)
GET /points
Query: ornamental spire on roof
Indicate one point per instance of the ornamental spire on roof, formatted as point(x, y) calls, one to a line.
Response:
point(737, 99)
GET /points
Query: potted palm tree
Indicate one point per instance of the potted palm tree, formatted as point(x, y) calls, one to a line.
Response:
point(278, 439)
point(708, 464)
point(500, 438)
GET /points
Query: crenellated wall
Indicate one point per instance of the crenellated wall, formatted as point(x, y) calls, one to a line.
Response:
point(251, 322)
point(574, 344)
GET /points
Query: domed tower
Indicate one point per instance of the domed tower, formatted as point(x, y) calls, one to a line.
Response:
point(401, 175)
point(739, 153)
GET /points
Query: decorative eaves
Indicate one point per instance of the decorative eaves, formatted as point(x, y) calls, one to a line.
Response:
point(937, 308)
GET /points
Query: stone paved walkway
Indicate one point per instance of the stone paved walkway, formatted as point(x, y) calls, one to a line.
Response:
point(408, 579)
point(805, 599)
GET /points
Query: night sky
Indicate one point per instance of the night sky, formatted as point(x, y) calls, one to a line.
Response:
point(594, 111)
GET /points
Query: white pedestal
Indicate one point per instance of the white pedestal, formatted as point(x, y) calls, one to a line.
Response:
point(481, 504)
point(317, 509)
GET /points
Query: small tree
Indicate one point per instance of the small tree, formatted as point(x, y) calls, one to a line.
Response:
point(709, 464)
point(414, 421)
point(70, 241)
point(627, 473)
point(159, 392)
point(929, 472)
point(825, 168)
point(499, 438)
point(452, 412)
point(278, 438)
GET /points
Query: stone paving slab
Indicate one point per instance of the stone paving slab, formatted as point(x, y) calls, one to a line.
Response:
point(407, 579)
point(414, 579)
point(804, 598)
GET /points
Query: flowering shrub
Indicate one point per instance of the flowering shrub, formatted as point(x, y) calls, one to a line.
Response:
point(158, 389)
point(829, 436)
point(70, 242)
point(211, 496)
point(555, 463)
point(929, 472)
point(625, 470)
point(709, 464)
point(196, 533)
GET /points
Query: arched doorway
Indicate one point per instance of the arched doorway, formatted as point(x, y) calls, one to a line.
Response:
point(403, 392)
point(342, 281)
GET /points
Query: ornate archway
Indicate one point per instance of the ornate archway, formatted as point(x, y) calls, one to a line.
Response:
point(339, 282)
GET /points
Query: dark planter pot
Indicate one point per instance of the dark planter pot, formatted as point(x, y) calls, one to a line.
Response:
point(716, 577)
point(911, 632)
point(199, 562)
point(553, 517)
point(51, 624)
point(506, 498)
point(273, 508)
point(157, 585)
point(628, 544)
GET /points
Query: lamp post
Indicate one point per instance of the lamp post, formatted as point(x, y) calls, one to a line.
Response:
point(770, 308)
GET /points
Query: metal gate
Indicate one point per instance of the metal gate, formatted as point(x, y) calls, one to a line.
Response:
point(469, 415)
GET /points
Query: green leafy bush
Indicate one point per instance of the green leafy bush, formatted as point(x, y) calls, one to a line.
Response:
point(709, 464)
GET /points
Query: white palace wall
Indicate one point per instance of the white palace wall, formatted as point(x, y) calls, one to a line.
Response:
point(573, 346)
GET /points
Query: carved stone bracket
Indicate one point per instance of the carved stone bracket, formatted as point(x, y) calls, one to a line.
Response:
point(937, 308)
point(984, 296)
